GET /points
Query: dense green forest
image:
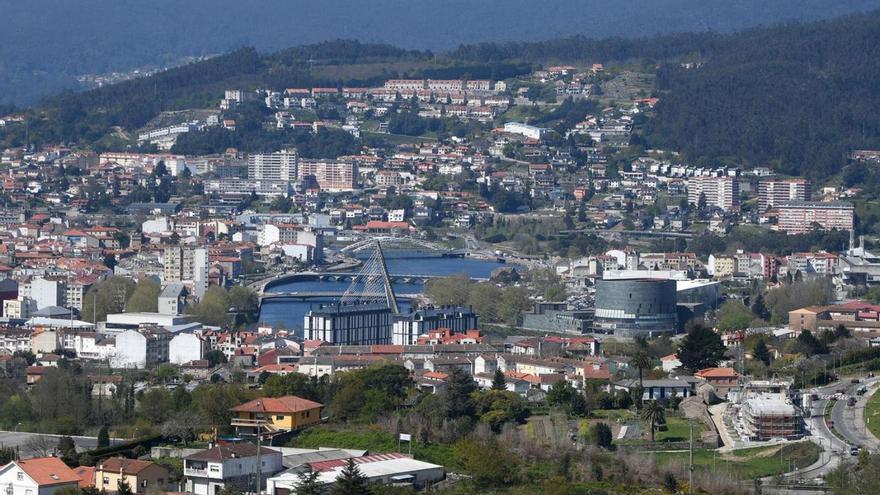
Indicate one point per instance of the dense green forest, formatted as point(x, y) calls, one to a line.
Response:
point(796, 97)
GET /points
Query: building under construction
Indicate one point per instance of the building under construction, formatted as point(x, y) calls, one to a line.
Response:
point(768, 416)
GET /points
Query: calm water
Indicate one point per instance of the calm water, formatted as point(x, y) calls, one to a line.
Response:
point(289, 314)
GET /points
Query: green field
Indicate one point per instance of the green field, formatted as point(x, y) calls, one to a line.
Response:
point(747, 463)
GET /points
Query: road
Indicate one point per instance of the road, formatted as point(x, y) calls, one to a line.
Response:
point(38, 444)
point(835, 451)
point(850, 420)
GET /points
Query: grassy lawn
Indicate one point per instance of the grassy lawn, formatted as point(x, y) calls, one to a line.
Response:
point(679, 430)
point(872, 414)
point(374, 440)
point(748, 463)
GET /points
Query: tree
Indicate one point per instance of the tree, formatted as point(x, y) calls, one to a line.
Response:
point(560, 393)
point(654, 415)
point(449, 291)
point(601, 436)
point(144, 298)
point(212, 308)
point(759, 308)
point(307, 484)
point(351, 481)
point(734, 315)
point(103, 437)
point(123, 487)
point(244, 299)
point(761, 353)
point(7, 455)
point(107, 297)
point(498, 381)
point(700, 348)
point(499, 407)
point(459, 388)
point(641, 360)
point(215, 357)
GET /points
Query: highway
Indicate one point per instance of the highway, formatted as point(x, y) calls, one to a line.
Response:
point(38, 444)
point(850, 420)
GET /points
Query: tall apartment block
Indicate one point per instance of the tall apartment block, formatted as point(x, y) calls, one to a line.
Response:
point(775, 192)
point(722, 192)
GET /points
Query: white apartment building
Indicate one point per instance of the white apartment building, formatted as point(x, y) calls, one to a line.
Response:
point(775, 192)
point(722, 192)
point(188, 265)
point(281, 165)
point(20, 308)
point(208, 471)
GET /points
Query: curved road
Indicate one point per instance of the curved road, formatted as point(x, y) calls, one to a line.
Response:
point(850, 420)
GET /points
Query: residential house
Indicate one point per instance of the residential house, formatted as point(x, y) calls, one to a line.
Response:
point(276, 413)
point(139, 475)
point(38, 476)
point(209, 471)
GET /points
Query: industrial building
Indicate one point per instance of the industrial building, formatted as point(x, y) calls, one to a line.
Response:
point(636, 307)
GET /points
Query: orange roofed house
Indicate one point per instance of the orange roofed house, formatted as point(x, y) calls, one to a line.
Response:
point(276, 414)
point(139, 475)
point(38, 476)
point(722, 379)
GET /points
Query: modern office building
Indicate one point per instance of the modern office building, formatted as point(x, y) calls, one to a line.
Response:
point(775, 192)
point(349, 324)
point(636, 307)
point(798, 217)
point(280, 165)
point(408, 327)
point(721, 192)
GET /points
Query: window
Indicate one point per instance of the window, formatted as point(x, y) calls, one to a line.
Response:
point(144, 483)
point(106, 480)
point(279, 418)
point(20, 476)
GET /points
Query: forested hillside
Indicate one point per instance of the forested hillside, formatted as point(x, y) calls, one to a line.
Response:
point(44, 44)
point(796, 97)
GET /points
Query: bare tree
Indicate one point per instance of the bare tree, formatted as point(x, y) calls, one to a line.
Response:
point(39, 445)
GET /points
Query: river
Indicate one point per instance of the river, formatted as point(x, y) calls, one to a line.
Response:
point(289, 314)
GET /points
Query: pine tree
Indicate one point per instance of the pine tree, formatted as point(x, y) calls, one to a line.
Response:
point(103, 437)
point(762, 353)
point(351, 481)
point(700, 348)
point(122, 487)
point(499, 382)
point(308, 484)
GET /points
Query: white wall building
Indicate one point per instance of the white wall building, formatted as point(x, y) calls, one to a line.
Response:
point(186, 347)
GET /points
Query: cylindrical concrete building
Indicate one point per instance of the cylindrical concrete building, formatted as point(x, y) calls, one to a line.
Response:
point(633, 307)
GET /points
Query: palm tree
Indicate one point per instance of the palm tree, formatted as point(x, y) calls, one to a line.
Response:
point(641, 360)
point(654, 415)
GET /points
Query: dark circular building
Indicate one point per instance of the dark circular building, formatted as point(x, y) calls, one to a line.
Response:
point(636, 307)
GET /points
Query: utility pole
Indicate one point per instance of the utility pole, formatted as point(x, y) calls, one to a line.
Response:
point(691, 462)
point(259, 458)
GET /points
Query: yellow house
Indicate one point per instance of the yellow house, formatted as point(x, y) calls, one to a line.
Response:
point(139, 475)
point(277, 413)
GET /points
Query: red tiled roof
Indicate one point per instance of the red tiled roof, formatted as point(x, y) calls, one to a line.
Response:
point(48, 471)
point(287, 404)
point(717, 373)
point(126, 466)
